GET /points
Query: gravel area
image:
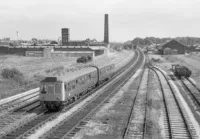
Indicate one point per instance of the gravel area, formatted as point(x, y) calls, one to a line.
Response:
point(155, 120)
point(110, 120)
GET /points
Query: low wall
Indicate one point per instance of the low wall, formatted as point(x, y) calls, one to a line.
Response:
point(71, 54)
point(34, 53)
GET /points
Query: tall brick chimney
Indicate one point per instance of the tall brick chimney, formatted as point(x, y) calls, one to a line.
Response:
point(65, 36)
point(106, 30)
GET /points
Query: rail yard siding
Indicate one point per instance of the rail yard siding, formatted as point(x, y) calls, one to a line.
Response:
point(6, 100)
point(186, 107)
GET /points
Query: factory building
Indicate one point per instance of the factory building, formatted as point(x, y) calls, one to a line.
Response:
point(172, 47)
point(68, 48)
point(106, 30)
point(65, 36)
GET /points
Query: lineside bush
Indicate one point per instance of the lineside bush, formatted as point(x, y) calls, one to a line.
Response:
point(13, 74)
point(84, 59)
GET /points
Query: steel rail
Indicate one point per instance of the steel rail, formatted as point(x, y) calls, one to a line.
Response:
point(180, 109)
point(165, 103)
point(194, 95)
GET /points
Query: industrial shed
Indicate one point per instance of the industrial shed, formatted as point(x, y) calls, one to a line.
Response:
point(172, 47)
point(72, 52)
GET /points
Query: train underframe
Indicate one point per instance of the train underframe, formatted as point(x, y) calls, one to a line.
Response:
point(54, 105)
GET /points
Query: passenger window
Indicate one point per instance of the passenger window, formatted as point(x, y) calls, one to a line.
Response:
point(69, 87)
point(82, 80)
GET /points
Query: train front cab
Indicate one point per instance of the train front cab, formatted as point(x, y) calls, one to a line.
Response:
point(51, 93)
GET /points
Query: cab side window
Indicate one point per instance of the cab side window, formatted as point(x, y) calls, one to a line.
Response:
point(69, 86)
point(73, 85)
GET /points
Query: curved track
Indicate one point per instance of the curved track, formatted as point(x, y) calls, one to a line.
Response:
point(193, 84)
point(192, 90)
point(18, 103)
point(72, 125)
point(41, 119)
point(179, 125)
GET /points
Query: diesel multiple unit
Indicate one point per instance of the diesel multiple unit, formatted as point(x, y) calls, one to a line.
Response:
point(57, 90)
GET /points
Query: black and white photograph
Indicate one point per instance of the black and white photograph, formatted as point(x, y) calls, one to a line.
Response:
point(100, 69)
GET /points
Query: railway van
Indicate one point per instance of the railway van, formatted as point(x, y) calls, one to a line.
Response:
point(181, 71)
point(57, 90)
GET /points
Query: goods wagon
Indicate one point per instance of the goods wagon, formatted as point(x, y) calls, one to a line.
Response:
point(181, 71)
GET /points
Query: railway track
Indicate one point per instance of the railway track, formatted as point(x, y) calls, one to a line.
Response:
point(193, 84)
point(136, 125)
point(19, 102)
point(17, 110)
point(72, 125)
point(178, 122)
point(13, 119)
point(191, 90)
point(41, 119)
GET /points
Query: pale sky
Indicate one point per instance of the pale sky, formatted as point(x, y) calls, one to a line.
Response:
point(85, 18)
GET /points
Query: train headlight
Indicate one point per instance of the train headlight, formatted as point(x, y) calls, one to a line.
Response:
point(43, 92)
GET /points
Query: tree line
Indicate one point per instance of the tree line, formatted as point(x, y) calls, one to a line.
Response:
point(189, 41)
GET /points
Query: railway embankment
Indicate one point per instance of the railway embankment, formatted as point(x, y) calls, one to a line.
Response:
point(35, 69)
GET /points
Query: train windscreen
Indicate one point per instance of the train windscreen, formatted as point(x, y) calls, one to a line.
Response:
point(50, 89)
point(58, 88)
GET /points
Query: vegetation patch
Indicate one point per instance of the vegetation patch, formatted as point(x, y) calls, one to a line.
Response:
point(55, 69)
point(14, 75)
point(84, 59)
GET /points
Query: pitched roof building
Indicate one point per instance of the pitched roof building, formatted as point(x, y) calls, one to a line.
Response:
point(173, 46)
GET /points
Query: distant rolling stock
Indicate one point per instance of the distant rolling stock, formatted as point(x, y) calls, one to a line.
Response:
point(181, 71)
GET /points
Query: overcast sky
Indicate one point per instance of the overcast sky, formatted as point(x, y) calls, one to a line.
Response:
point(85, 18)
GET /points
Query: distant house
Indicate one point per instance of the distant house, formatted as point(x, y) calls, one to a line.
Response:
point(172, 47)
point(198, 48)
point(191, 49)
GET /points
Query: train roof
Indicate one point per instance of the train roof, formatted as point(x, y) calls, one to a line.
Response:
point(72, 75)
point(68, 76)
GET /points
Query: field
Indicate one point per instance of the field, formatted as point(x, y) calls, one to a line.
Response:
point(35, 69)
